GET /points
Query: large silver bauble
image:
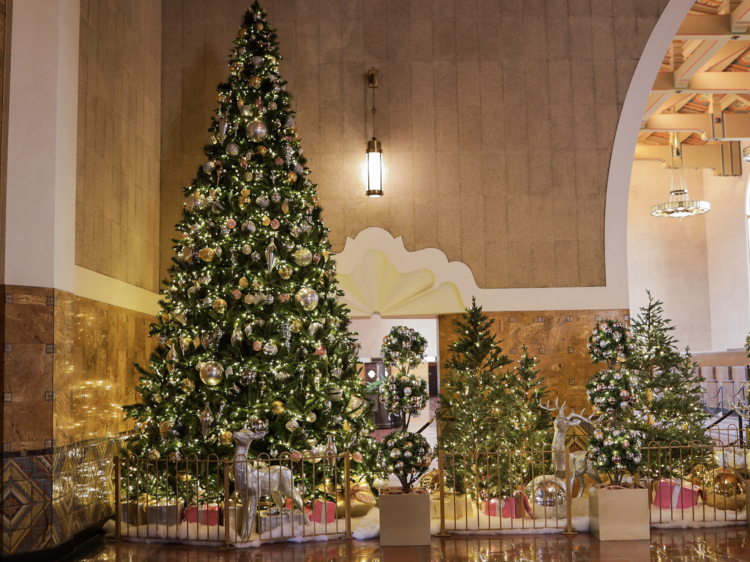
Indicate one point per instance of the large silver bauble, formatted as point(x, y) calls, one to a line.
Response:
point(212, 373)
point(307, 298)
point(303, 257)
point(257, 131)
point(546, 497)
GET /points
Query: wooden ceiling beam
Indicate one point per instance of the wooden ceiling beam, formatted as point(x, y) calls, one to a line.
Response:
point(741, 17)
point(729, 53)
point(705, 83)
point(723, 127)
point(723, 158)
point(697, 60)
point(709, 27)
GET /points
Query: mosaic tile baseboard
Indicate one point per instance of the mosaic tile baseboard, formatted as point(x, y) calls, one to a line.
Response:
point(47, 499)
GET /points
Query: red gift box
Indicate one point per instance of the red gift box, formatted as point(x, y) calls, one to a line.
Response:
point(203, 514)
point(317, 516)
point(509, 507)
point(675, 494)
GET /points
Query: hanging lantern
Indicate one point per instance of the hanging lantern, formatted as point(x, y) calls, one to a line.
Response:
point(679, 204)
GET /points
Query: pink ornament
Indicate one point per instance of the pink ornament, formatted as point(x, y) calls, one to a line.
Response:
point(296, 455)
point(236, 293)
point(284, 297)
point(279, 161)
point(231, 223)
point(320, 351)
point(275, 224)
point(357, 456)
point(257, 346)
point(316, 258)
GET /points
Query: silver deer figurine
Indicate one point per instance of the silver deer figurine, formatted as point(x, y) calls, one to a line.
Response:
point(251, 483)
point(580, 465)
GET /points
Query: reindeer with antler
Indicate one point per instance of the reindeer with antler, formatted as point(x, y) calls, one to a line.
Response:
point(580, 465)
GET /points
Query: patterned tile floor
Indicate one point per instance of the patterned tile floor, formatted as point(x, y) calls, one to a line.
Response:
point(729, 544)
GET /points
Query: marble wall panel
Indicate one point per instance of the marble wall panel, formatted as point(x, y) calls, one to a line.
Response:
point(557, 338)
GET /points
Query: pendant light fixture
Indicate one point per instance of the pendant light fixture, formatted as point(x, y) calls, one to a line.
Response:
point(374, 150)
point(679, 204)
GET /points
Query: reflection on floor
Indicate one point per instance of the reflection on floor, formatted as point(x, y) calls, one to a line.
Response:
point(728, 544)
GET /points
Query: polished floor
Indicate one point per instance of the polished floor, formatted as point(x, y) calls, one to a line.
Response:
point(724, 544)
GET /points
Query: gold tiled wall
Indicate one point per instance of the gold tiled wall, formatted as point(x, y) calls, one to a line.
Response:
point(497, 120)
point(557, 338)
point(94, 371)
point(119, 141)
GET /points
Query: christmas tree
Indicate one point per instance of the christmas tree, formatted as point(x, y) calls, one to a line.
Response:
point(670, 410)
point(252, 332)
point(474, 400)
point(526, 426)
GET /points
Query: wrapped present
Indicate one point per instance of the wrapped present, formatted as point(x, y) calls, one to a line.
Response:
point(132, 513)
point(457, 506)
point(324, 512)
point(675, 494)
point(510, 508)
point(271, 518)
point(361, 501)
point(234, 514)
point(205, 514)
point(164, 512)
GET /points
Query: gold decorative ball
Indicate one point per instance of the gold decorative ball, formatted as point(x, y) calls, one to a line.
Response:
point(157, 398)
point(261, 151)
point(303, 257)
point(296, 326)
point(154, 455)
point(220, 306)
point(255, 82)
point(277, 407)
point(311, 417)
point(166, 317)
point(225, 437)
point(206, 254)
point(184, 476)
point(724, 488)
point(291, 177)
point(212, 373)
point(285, 271)
point(265, 221)
point(248, 176)
point(699, 474)
point(187, 386)
point(307, 298)
point(244, 282)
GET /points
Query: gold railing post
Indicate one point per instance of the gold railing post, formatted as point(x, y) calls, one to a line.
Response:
point(347, 496)
point(227, 545)
point(118, 509)
point(569, 495)
point(441, 476)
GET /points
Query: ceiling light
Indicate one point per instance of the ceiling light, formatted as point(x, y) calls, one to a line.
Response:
point(679, 204)
point(374, 149)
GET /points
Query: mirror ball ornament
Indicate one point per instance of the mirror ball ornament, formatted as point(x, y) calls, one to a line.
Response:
point(311, 417)
point(285, 271)
point(257, 130)
point(211, 373)
point(307, 298)
point(546, 497)
point(724, 488)
point(291, 425)
point(303, 257)
point(187, 386)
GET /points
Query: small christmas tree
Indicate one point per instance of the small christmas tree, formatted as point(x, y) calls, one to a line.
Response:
point(670, 409)
point(403, 453)
point(474, 399)
point(526, 426)
point(251, 329)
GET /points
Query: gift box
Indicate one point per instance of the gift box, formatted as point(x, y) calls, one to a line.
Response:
point(205, 514)
point(457, 506)
point(132, 513)
point(270, 519)
point(234, 515)
point(510, 508)
point(164, 512)
point(675, 494)
point(324, 512)
point(361, 501)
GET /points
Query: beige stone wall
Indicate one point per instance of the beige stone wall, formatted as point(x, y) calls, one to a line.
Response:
point(497, 119)
point(119, 140)
point(669, 257)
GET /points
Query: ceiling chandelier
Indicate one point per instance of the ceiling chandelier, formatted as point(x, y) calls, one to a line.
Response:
point(679, 204)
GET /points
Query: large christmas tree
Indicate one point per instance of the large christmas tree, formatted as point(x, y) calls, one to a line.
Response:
point(670, 410)
point(252, 330)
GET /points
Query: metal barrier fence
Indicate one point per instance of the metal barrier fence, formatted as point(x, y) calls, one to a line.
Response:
point(203, 500)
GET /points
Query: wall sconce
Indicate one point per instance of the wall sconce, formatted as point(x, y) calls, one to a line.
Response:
point(374, 149)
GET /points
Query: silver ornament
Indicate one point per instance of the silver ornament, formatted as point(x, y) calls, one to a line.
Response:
point(546, 497)
point(257, 130)
point(211, 373)
point(307, 298)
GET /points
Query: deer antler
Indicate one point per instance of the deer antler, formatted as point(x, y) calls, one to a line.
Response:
point(741, 408)
point(559, 409)
point(583, 418)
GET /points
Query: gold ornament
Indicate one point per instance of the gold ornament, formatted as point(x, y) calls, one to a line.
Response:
point(285, 207)
point(166, 317)
point(326, 254)
point(699, 475)
point(285, 271)
point(244, 282)
point(254, 82)
point(430, 481)
point(303, 257)
point(206, 254)
point(265, 221)
point(225, 437)
point(347, 427)
point(261, 151)
point(724, 489)
point(184, 476)
point(212, 373)
point(187, 386)
point(311, 417)
point(291, 177)
point(197, 342)
point(296, 326)
point(220, 306)
point(277, 407)
point(307, 298)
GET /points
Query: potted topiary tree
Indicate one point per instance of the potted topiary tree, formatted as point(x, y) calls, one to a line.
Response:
point(404, 510)
point(618, 509)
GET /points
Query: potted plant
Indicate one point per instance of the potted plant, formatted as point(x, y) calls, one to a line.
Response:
point(618, 510)
point(404, 510)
